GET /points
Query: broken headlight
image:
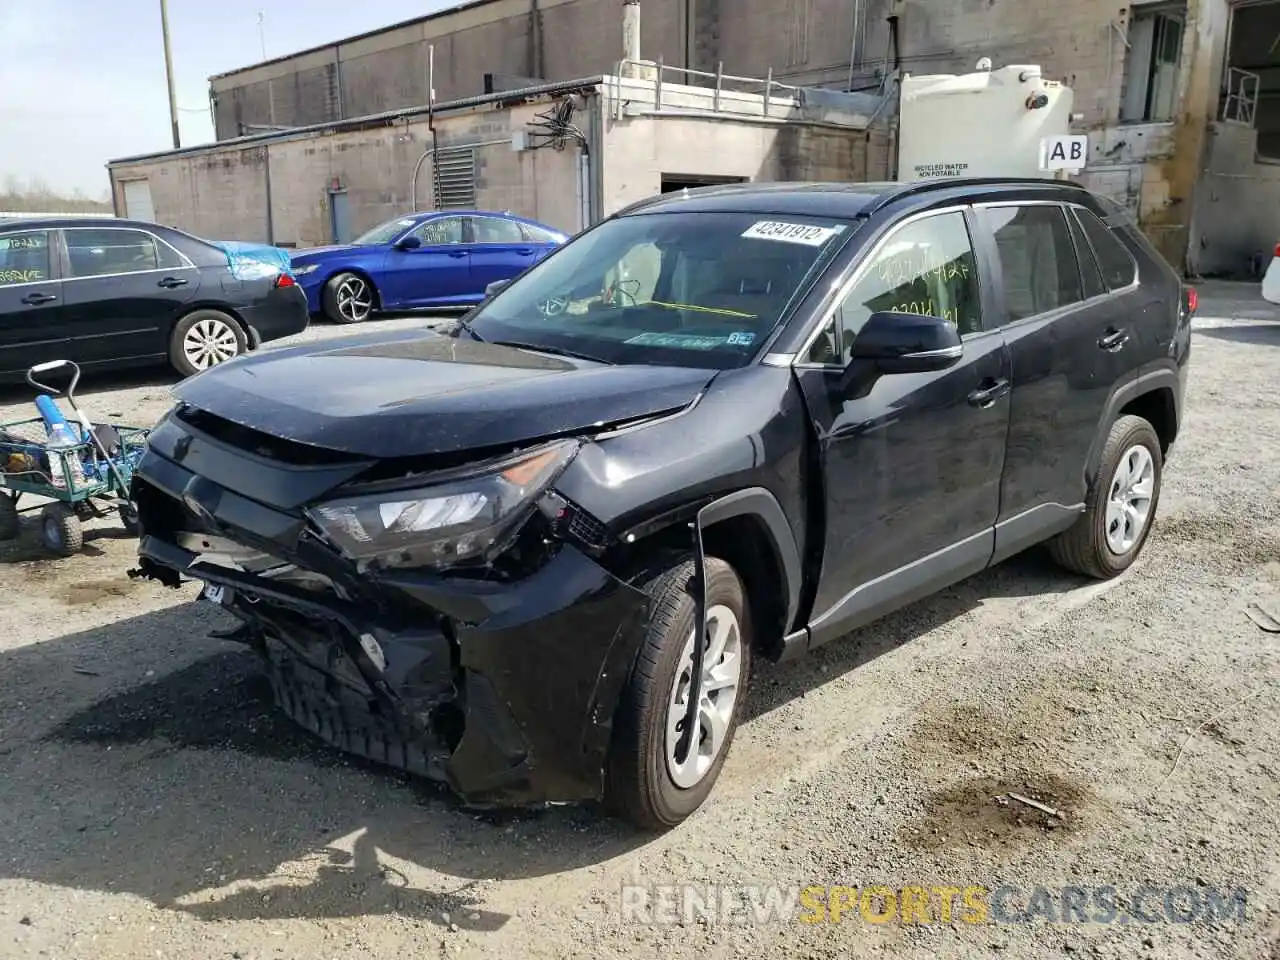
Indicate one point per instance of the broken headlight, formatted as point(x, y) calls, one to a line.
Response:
point(464, 517)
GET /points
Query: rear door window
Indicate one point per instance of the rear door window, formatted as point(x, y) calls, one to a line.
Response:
point(24, 258)
point(493, 230)
point(1119, 269)
point(1037, 259)
point(98, 253)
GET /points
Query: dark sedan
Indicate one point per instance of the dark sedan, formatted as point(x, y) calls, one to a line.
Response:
point(114, 293)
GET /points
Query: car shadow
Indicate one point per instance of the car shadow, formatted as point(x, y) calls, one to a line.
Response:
point(99, 383)
point(1261, 334)
point(1032, 573)
point(143, 758)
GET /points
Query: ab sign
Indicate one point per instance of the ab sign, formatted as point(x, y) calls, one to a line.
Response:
point(1064, 153)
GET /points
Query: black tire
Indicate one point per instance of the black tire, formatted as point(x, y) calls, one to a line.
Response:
point(1083, 548)
point(8, 517)
point(129, 519)
point(224, 330)
point(639, 786)
point(332, 301)
point(61, 530)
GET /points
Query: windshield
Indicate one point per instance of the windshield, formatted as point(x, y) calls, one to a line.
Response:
point(686, 289)
point(385, 232)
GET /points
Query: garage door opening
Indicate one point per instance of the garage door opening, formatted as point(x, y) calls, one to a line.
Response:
point(1251, 87)
point(671, 182)
point(137, 200)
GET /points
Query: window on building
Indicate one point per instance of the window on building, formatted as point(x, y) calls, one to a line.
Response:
point(96, 253)
point(1037, 259)
point(1151, 67)
point(1250, 83)
point(24, 258)
point(1119, 269)
point(925, 267)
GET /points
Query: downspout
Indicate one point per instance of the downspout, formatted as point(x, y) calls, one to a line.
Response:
point(337, 78)
point(266, 165)
point(435, 136)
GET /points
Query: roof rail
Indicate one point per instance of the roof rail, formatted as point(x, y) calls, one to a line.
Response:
point(943, 183)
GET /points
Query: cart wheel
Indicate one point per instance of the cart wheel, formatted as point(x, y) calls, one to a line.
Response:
point(8, 517)
point(61, 529)
point(129, 518)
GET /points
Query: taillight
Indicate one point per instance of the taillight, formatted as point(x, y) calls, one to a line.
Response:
point(1193, 299)
point(285, 280)
point(1277, 250)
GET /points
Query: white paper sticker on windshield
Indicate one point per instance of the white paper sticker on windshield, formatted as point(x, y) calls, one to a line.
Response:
point(805, 233)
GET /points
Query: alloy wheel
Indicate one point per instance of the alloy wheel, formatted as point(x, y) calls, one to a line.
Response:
point(1129, 503)
point(689, 758)
point(210, 341)
point(355, 299)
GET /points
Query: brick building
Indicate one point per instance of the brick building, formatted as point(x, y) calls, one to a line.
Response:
point(1179, 98)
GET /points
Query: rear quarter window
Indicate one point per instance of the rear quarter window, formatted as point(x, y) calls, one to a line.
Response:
point(1119, 268)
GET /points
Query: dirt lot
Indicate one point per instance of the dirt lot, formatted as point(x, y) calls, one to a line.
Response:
point(153, 804)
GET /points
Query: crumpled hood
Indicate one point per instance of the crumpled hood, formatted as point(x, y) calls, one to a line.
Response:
point(416, 393)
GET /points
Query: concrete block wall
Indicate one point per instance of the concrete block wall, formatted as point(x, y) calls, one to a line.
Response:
point(222, 193)
point(388, 70)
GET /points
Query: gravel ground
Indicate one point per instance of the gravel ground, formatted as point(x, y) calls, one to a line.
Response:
point(153, 803)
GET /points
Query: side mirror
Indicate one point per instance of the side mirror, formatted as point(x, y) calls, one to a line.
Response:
point(491, 288)
point(408, 243)
point(908, 343)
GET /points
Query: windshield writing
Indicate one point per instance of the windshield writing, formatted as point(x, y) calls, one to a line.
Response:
point(690, 289)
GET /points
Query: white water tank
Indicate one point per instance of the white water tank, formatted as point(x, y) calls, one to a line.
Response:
point(984, 124)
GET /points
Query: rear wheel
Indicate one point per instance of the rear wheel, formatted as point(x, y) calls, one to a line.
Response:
point(61, 530)
point(1121, 505)
point(349, 298)
point(660, 771)
point(204, 339)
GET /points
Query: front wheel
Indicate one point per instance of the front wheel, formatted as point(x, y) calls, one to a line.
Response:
point(660, 768)
point(1121, 505)
point(204, 339)
point(348, 298)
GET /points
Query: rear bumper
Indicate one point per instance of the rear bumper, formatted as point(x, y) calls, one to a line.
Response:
point(505, 691)
point(282, 313)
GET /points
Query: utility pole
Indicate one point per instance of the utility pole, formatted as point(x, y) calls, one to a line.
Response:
point(168, 70)
point(262, 33)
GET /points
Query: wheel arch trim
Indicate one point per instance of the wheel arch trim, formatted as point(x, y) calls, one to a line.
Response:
point(759, 503)
point(1140, 386)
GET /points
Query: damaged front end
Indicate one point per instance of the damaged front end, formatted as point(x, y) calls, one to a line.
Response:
point(455, 623)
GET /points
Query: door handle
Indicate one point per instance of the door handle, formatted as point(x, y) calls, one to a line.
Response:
point(987, 394)
point(170, 282)
point(35, 299)
point(1113, 339)
point(457, 253)
point(524, 252)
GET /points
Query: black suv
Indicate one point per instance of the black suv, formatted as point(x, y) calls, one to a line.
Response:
point(781, 410)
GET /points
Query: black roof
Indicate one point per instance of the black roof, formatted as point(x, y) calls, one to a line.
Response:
point(846, 200)
point(54, 223)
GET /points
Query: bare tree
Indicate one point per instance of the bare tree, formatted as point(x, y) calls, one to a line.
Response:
point(37, 197)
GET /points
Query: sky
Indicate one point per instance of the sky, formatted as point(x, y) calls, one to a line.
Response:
point(83, 82)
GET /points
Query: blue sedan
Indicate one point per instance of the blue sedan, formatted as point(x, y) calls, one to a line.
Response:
point(421, 260)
